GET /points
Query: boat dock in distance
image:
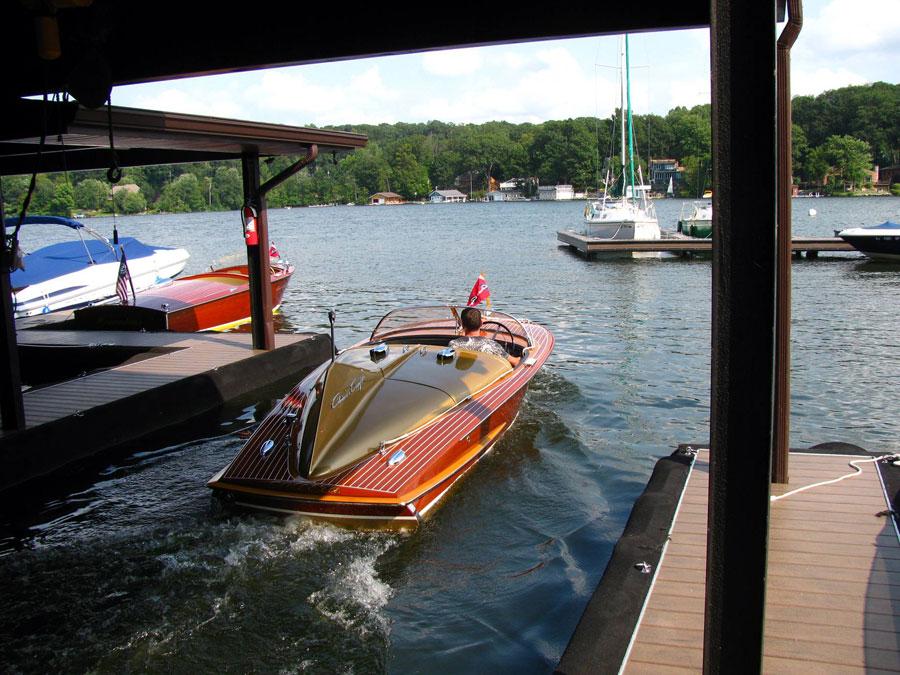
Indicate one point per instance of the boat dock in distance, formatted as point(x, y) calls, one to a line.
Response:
point(675, 242)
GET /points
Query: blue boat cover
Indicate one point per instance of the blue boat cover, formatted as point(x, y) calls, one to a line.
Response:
point(69, 256)
point(886, 225)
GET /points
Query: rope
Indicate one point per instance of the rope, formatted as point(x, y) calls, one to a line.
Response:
point(114, 174)
point(857, 471)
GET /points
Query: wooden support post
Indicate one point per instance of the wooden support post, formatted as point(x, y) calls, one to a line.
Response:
point(261, 323)
point(783, 292)
point(12, 408)
point(742, 43)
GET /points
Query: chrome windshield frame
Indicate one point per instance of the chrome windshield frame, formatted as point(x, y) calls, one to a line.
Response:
point(452, 312)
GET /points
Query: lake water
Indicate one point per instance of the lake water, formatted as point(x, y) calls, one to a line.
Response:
point(130, 564)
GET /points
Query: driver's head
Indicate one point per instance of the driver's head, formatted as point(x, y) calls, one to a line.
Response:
point(471, 319)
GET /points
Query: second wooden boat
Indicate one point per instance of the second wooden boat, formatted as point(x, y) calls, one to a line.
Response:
point(213, 301)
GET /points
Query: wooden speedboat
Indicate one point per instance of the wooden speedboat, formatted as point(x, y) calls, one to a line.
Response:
point(378, 435)
point(213, 301)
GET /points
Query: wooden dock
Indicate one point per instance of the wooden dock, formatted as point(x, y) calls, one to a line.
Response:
point(171, 378)
point(673, 242)
point(833, 582)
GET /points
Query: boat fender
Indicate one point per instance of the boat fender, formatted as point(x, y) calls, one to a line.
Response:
point(446, 355)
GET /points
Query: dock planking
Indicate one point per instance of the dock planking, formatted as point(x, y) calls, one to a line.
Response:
point(833, 583)
point(172, 378)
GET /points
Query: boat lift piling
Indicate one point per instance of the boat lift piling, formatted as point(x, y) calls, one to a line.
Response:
point(12, 407)
point(256, 236)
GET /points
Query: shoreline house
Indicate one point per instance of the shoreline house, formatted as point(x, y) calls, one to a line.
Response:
point(382, 198)
point(662, 171)
point(555, 193)
point(447, 197)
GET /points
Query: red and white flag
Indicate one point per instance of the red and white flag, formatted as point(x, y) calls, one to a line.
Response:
point(123, 281)
point(273, 252)
point(480, 293)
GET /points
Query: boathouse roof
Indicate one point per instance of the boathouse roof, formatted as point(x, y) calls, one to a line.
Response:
point(78, 138)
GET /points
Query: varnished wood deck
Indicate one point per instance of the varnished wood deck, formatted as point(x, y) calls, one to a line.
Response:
point(833, 586)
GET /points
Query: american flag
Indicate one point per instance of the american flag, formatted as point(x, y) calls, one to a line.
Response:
point(124, 280)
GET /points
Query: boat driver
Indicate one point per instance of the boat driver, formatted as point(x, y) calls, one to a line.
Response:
point(474, 340)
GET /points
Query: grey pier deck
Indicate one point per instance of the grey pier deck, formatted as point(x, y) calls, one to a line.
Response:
point(674, 242)
point(171, 378)
point(832, 584)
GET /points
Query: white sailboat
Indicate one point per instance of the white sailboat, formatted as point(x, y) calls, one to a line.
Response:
point(631, 216)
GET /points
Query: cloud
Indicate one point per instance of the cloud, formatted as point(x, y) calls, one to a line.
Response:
point(186, 97)
point(453, 62)
point(547, 84)
point(289, 96)
point(854, 26)
point(811, 82)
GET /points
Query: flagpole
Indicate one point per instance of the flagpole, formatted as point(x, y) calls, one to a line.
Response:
point(130, 280)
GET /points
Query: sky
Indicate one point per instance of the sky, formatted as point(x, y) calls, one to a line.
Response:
point(843, 42)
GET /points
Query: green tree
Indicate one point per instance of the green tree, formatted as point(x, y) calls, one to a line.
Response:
point(14, 190)
point(63, 201)
point(227, 189)
point(849, 158)
point(129, 203)
point(91, 194)
point(182, 195)
point(410, 178)
point(799, 152)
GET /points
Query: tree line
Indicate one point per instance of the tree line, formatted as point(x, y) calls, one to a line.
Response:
point(837, 137)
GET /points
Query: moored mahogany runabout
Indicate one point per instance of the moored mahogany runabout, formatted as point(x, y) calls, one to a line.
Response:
point(218, 300)
point(378, 435)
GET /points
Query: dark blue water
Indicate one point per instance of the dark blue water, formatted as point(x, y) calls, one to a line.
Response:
point(137, 568)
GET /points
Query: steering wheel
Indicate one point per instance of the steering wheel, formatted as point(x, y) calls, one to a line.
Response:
point(512, 339)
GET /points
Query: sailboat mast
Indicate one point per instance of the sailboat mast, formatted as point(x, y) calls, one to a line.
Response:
point(630, 122)
point(622, 107)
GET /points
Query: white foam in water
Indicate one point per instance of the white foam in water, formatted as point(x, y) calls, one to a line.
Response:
point(310, 536)
point(354, 596)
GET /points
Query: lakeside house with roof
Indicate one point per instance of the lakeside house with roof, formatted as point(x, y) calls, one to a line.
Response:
point(555, 192)
point(446, 197)
point(386, 198)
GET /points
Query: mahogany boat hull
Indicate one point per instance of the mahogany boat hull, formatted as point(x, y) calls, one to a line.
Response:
point(380, 491)
point(213, 301)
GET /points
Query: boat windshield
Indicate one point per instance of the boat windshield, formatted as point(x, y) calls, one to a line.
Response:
point(444, 320)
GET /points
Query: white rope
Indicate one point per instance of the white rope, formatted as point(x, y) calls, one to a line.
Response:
point(856, 472)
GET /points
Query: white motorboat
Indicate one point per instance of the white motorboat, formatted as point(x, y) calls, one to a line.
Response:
point(879, 242)
point(696, 219)
point(77, 273)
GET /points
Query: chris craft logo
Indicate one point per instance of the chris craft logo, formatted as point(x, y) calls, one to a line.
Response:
point(355, 385)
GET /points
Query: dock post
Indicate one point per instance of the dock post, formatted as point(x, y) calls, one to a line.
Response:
point(785, 180)
point(261, 323)
point(12, 408)
point(742, 53)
